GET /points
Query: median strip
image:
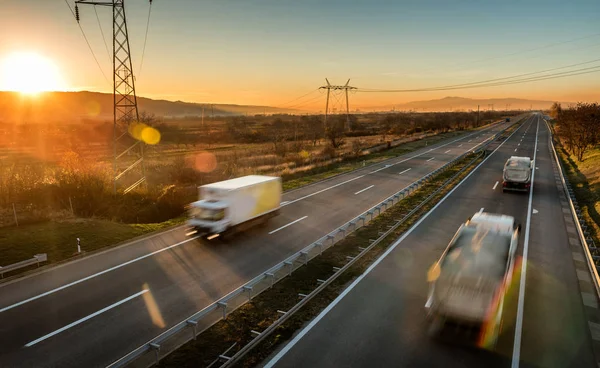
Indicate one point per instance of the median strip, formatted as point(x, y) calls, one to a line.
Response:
point(262, 310)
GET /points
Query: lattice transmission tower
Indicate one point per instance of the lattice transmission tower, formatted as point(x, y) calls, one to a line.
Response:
point(338, 93)
point(128, 147)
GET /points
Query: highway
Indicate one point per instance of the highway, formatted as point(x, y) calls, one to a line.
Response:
point(91, 312)
point(380, 320)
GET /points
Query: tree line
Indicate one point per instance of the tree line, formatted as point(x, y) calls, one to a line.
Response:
point(577, 127)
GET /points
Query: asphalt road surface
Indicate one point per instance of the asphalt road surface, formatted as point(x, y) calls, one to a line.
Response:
point(91, 312)
point(380, 321)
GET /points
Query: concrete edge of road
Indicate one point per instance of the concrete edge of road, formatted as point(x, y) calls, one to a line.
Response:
point(109, 248)
point(586, 277)
point(273, 359)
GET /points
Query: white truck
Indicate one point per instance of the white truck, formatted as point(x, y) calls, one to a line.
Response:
point(468, 283)
point(517, 174)
point(235, 205)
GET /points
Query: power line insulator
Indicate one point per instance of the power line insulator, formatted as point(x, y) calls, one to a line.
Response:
point(77, 13)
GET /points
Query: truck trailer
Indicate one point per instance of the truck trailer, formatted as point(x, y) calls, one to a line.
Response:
point(517, 174)
point(235, 205)
point(467, 284)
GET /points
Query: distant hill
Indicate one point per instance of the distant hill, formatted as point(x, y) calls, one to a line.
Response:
point(461, 103)
point(54, 107)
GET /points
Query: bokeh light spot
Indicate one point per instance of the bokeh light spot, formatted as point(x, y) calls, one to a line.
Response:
point(205, 162)
point(150, 135)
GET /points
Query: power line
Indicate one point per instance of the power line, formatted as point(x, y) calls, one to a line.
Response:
point(582, 71)
point(145, 38)
point(102, 33)
point(452, 66)
point(533, 49)
point(489, 82)
point(304, 103)
point(298, 98)
point(88, 43)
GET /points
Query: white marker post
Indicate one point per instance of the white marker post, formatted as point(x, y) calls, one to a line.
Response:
point(78, 245)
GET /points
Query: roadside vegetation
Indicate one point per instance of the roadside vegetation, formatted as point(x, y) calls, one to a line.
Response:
point(578, 133)
point(262, 311)
point(60, 183)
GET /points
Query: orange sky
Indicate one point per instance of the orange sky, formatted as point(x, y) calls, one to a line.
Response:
point(270, 53)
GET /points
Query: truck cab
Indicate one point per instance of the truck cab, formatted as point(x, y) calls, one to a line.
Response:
point(209, 216)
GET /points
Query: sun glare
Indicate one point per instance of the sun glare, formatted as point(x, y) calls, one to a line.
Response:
point(28, 72)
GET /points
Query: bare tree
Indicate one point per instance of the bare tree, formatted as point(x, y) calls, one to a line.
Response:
point(278, 132)
point(579, 127)
point(335, 130)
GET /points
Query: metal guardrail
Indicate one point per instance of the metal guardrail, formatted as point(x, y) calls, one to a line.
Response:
point(15, 266)
point(151, 352)
point(259, 336)
point(592, 253)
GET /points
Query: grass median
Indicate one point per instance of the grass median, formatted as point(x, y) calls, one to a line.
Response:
point(261, 312)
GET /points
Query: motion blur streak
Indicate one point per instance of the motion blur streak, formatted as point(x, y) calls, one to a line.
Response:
point(152, 308)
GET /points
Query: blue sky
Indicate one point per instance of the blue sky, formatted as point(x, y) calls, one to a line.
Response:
point(269, 52)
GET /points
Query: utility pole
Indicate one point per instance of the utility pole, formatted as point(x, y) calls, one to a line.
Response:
point(345, 88)
point(128, 147)
point(477, 116)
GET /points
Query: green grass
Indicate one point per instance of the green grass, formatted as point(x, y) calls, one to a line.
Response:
point(59, 239)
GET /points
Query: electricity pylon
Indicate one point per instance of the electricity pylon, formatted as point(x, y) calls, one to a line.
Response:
point(128, 147)
point(345, 88)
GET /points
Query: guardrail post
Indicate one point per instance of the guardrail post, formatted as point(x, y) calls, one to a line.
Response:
point(320, 245)
point(224, 306)
point(272, 276)
point(290, 265)
point(329, 236)
point(248, 289)
point(193, 324)
point(305, 255)
point(156, 347)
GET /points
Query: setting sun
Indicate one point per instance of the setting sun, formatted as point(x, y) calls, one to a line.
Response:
point(29, 72)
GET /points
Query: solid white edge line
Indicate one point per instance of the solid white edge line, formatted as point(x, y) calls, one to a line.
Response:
point(29, 344)
point(495, 185)
point(362, 190)
point(306, 329)
point(94, 275)
point(284, 226)
point(519, 324)
point(404, 171)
